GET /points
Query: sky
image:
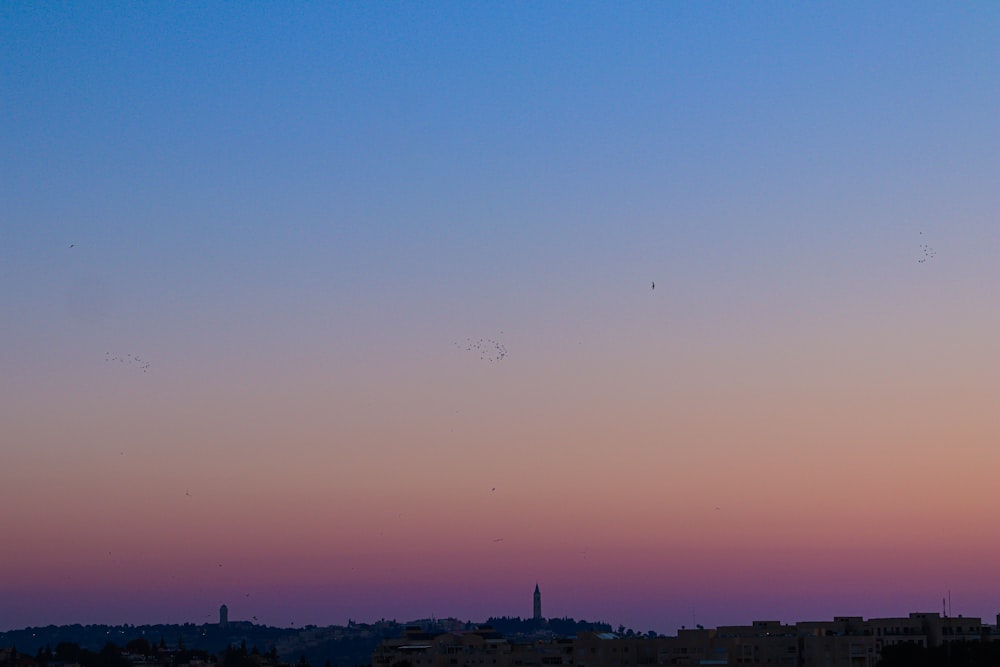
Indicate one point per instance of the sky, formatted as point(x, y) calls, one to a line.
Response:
point(685, 311)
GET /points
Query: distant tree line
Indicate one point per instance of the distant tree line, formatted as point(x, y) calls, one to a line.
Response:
point(153, 640)
point(515, 625)
point(109, 656)
point(114, 656)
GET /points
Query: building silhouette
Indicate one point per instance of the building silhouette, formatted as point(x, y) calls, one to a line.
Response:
point(846, 641)
point(223, 616)
point(538, 604)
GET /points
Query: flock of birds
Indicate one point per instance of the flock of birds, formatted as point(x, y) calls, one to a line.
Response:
point(928, 252)
point(487, 348)
point(127, 359)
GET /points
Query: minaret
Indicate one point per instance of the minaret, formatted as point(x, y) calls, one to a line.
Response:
point(538, 603)
point(223, 616)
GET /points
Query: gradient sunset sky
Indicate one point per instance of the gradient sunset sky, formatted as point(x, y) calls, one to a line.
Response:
point(245, 251)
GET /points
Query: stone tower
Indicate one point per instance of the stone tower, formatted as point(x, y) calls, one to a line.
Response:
point(223, 616)
point(538, 603)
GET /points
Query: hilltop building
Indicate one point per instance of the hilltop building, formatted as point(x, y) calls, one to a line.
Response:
point(223, 616)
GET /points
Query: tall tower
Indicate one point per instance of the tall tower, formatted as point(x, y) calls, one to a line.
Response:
point(538, 603)
point(223, 616)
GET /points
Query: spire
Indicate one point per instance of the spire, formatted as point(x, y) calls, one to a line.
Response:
point(538, 603)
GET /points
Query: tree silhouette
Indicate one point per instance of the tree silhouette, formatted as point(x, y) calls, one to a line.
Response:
point(140, 646)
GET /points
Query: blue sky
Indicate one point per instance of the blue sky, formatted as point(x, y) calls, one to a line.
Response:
point(481, 132)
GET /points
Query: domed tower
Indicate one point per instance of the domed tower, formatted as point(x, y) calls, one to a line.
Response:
point(538, 603)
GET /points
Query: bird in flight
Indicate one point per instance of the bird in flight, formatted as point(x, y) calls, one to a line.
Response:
point(72, 245)
point(652, 285)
